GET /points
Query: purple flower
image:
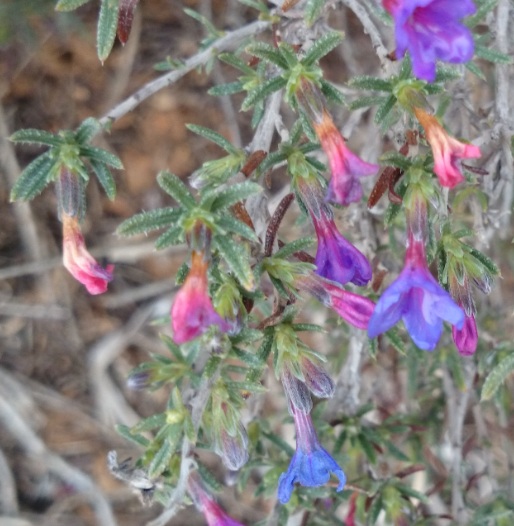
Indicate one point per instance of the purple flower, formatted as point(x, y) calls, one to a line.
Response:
point(417, 299)
point(311, 465)
point(346, 167)
point(432, 30)
point(336, 258)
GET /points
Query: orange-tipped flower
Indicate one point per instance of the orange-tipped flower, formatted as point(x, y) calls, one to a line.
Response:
point(79, 262)
point(446, 150)
point(192, 312)
point(346, 167)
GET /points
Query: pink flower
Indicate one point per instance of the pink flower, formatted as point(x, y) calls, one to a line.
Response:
point(432, 30)
point(79, 262)
point(445, 149)
point(192, 312)
point(212, 511)
point(466, 339)
point(346, 167)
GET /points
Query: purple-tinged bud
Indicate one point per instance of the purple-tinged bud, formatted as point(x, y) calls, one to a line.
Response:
point(317, 380)
point(297, 393)
point(466, 339)
point(139, 380)
point(233, 449)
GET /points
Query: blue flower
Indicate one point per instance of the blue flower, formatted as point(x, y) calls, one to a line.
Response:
point(311, 465)
point(422, 304)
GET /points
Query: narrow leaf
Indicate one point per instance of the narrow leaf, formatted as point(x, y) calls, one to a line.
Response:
point(69, 5)
point(106, 30)
point(172, 236)
point(497, 376)
point(33, 179)
point(371, 83)
point(137, 439)
point(226, 89)
point(231, 195)
point(148, 221)
point(161, 459)
point(174, 187)
point(102, 156)
point(231, 224)
point(87, 130)
point(321, 47)
point(385, 108)
point(212, 136)
point(264, 90)
point(105, 178)
point(268, 53)
point(33, 136)
point(237, 260)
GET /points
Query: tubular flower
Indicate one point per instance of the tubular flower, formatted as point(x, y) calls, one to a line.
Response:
point(353, 308)
point(346, 167)
point(192, 312)
point(311, 464)
point(212, 511)
point(445, 149)
point(336, 258)
point(416, 298)
point(432, 30)
point(79, 262)
point(466, 338)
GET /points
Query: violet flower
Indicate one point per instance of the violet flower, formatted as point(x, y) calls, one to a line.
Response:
point(336, 258)
point(192, 312)
point(418, 299)
point(446, 150)
point(311, 465)
point(432, 30)
point(466, 338)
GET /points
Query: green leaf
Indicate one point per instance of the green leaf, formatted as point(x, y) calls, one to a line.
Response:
point(364, 102)
point(69, 5)
point(471, 66)
point(161, 458)
point(32, 136)
point(374, 510)
point(313, 10)
point(384, 109)
point(87, 130)
point(106, 30)
point(321, 47)
point(268, 53)
point(226, 89)
point(148, 221)
point(212, 136)
point(488, 263)
point(230, 224)
point(410, 492)
point(237, 260)
point(102, 156)
point(371, 83)
point(236, 62)
point(492, 55)
point(295, 246)
point(174, 187)
point(481, 12)
point(105, 178)
point(149, 424)
point(261, 92)
point(497, 376)
point(331, 92)
point(137, 439)
point(230, 195)
point(395, 159)
point(172, 236)
point(33, 179)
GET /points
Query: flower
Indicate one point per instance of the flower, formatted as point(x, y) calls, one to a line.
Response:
point(346, 167)
point(432, 30)
point(466, 338)
point(192, 312)
point(79, 262)
point(311, 465)
point(446, 150)
point(336, 258)
point(353, 308)
point(417, 299)
point(214, 514)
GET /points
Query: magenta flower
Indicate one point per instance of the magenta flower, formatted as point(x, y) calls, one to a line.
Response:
point(446, 150)
point(353, 308)
point(432, 30)
point(418, 299)
point(311, 464)
point(466, 338)
point(346, 167)
point(214, 514)
point(192, 312)
point(79, 262)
